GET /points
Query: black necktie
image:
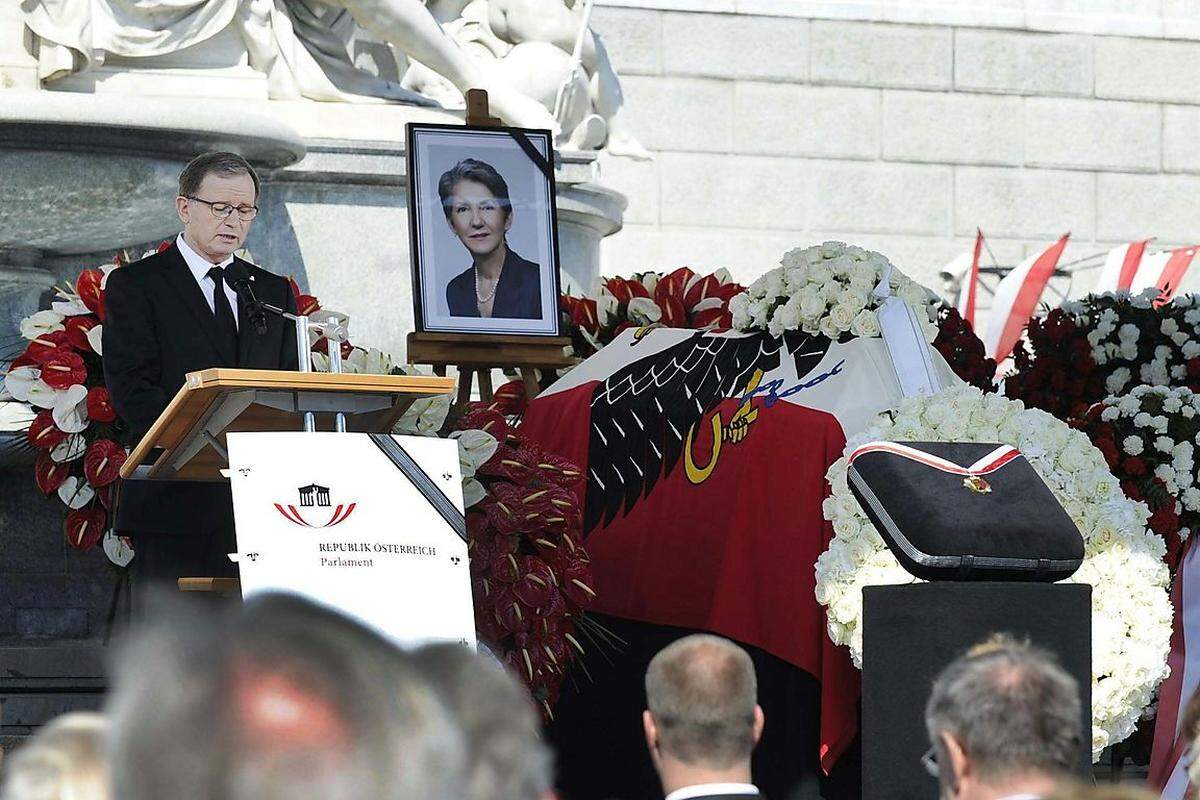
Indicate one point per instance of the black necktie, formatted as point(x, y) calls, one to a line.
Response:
point(226, 322)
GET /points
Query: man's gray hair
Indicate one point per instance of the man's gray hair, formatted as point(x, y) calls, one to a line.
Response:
point(1011, 707)
point(702, 691)
point(279, 700)
point(66, 759)
point(214, 163)
point(506, 757)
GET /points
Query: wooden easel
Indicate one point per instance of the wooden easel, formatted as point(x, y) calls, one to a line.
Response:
point(475, 355)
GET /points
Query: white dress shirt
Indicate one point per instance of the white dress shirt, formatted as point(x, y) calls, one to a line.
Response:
point(706, 789)
point(200, 266)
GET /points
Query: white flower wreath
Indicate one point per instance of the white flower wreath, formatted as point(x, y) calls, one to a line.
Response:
point(1131, 612)
point(828, 289)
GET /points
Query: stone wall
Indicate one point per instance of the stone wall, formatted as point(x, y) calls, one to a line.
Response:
point(782, 123)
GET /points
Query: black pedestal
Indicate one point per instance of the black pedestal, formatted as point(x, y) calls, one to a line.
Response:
point(911, 632)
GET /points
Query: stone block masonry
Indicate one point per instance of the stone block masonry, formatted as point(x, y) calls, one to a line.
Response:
point(778, 124)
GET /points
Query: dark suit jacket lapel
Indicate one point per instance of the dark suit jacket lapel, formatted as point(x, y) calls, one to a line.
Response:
point(181, 279)
point(508, 297)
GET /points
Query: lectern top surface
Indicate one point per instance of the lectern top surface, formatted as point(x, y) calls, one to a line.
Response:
point(215, 401)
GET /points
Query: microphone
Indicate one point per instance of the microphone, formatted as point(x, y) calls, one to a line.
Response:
point(238, 277)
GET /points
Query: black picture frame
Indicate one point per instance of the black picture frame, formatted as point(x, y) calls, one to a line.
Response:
point(527, 156)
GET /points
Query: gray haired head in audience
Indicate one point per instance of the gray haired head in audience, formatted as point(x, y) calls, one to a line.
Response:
point(701, 692)
point(1003, 713)
point(278, 700)
point(506, 756)
point(67, 759)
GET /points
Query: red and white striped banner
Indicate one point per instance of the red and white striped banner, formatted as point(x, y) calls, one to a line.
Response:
point(1130, 268)
point(1120, 267)
point(1017, 296)
point(967, 265)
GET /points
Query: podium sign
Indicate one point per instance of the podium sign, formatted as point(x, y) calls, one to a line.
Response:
point(335, 517)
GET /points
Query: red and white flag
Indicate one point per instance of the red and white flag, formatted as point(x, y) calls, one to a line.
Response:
point(1164, 271)
point(1017, 297)
point(1121, 267)
point(967, 265)
point(1130, 268)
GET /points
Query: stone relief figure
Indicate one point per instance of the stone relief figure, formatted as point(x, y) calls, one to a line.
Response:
point(518, 50)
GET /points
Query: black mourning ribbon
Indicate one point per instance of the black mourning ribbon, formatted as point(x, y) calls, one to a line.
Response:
point(226, 321)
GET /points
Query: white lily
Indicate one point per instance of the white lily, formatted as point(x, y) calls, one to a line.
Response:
point(75, 493)
point(41, 395)
point(606, 307)
point(107, 270)
point(95, 337)
point(425, 417)
point(644, 311)
point(20, 380)
point(70, 409)
point(117, 549)
point(41, 322)
point(475, 448)
point(69, 305)
point(473, 492)
point(69, 449)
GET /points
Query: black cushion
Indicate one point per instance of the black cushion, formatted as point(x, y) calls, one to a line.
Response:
point(1004, 524)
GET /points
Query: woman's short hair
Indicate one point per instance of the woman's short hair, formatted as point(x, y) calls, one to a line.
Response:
point(66, 759)
point(470, 169)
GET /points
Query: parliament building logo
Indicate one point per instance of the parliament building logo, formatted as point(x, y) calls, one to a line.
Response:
point(314, 499)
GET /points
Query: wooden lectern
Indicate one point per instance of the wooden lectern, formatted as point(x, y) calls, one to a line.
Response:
point(187, 441)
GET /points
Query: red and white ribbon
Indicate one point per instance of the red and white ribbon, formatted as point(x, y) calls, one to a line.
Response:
point(989, 463)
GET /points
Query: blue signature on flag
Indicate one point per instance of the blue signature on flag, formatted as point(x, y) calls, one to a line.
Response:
point(770, 391)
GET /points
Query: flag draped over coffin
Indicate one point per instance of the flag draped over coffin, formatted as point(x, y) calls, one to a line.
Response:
point(705, 456)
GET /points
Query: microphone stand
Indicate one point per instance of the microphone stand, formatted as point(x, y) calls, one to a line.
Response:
point(331, 325)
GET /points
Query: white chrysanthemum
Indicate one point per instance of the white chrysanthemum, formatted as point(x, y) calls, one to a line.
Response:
point(1131, 612)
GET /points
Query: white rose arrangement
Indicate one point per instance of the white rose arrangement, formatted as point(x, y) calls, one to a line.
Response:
point(1131, 611)
point(827, 289)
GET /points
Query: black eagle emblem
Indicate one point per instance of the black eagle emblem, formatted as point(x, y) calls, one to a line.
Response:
point(642, 414)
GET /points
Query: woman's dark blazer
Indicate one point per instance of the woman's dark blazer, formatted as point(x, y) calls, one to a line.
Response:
point(519, 295)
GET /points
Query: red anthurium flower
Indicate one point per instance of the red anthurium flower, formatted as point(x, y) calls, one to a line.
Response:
point(43, 432)
point(673, 285)
point(673, 315)
point(103, 461)
point(77, 328)
point(63, 369)
point(585, 316)
point(559, 470)
point(701, 290)
point(45, 344)
point(486, 420)
point(502, 515)
point(510, 399)
point(577, 584)
point(99, 405)
point(88, 287)
point(49, 473)
point(85, 526)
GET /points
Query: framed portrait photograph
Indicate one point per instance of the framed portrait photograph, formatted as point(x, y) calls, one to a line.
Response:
point(483, 225)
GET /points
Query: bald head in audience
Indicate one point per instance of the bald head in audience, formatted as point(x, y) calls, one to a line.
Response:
point(703, 719)
point(279, 699)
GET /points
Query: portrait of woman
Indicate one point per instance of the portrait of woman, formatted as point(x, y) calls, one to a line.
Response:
point(498, 282)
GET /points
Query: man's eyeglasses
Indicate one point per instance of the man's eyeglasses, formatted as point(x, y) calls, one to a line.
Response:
point(223, 210)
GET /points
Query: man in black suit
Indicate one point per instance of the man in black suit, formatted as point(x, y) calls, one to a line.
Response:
point(703, 719)
point(176, 312)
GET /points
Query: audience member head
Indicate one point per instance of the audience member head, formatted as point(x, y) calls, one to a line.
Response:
point(702, 720)
point(506, 757)
point(66, 760)
point(1003, 719)
point(279, 699)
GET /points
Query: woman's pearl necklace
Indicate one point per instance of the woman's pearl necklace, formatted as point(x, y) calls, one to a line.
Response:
point(483, 300)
